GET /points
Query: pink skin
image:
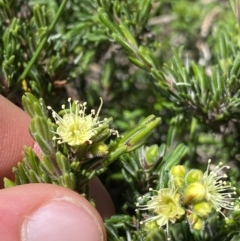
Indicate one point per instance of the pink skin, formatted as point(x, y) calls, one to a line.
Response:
point(24, 209)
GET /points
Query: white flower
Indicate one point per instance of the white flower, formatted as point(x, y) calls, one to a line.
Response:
point(165, 206)
point(219, 193)
point(76, 127)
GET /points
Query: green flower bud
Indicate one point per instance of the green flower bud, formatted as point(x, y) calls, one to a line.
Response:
point(151, 154)
point(202, 209)
point(194, 192)
point(236, 211)
point(229, 222)
point(151, 225)
point(177, 181)
point(98, 150)
point(155, 234)
point(194, 176)
point(195, 222)
point(178, 171)
point(198, 225)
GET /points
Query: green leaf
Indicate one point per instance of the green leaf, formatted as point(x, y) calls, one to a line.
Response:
point(104, 17)
point(62, 162)
point(41, 132)
point(8, 183)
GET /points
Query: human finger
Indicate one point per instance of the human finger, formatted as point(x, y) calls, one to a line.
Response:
point(33, 212)
point(14, 135)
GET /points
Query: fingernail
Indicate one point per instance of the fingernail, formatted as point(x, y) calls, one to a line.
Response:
point(61, 221)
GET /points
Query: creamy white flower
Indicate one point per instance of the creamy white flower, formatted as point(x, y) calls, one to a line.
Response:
point(219, 193)
point(76, 127)
point(165, 206)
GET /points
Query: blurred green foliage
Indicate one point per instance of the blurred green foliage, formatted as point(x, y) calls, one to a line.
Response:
point(178, 60)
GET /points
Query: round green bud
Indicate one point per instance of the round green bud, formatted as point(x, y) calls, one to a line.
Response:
point(155, 234)
point(98, 150)
point(193, 176)
point(178, 182)
point(150, 225)
point(195, 192)
point(198, 225)
point(151, 153)
point(229, 222)
point(195, 222)
point(178, 171)
point(236, 212)
point(202, 209)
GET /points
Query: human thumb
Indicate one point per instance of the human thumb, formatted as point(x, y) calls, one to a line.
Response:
point(37, 212)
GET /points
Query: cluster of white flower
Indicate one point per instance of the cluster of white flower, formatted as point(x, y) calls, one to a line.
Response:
point(191, 195)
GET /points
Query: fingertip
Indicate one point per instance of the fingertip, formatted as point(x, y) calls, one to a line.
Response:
point(48, 212)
